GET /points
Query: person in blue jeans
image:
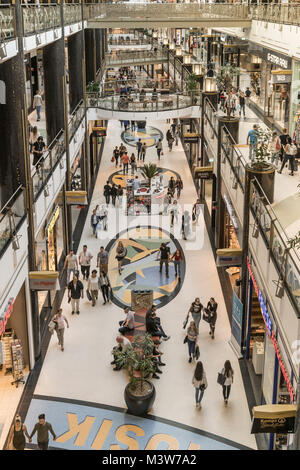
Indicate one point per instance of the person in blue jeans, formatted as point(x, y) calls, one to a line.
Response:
point(252, 141)
point(200, 383)
point(192, 336)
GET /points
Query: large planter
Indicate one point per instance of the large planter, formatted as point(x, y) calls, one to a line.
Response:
point(139, 405)
point(232, 124)
point(265, 174)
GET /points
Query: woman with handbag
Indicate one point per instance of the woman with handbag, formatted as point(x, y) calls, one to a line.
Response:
point(200, 383)
point(195, 310)
point(192, 336)
point(121, 253)
point(212, 309)
point(227, 372)
point(105, 286)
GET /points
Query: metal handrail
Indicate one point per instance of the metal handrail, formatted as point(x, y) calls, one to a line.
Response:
point(7, 22)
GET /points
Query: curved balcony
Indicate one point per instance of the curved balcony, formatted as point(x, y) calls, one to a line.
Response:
point(118, 58)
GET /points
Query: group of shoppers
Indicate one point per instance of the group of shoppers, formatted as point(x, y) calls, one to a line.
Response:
point(18, 433)
point(233, 101)
point(164, 257)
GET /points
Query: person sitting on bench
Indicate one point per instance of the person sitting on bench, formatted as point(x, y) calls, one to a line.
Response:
point(153, 325)
point(123, 344)
point(127, 325)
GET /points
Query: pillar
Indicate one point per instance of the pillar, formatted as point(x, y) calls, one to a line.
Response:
point(54, 62)
point(90, 65)
point(75, 53)
point(232, 124)
point(98, 36)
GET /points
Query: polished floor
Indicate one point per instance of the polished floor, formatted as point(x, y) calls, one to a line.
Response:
point(82, 374)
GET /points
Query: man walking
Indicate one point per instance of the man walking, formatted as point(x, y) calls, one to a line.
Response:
point(139, 146)
point(159, 148)
point(60, 321)
point(125, 160)
point(85, 262)
point(37, 104)
point(164, 253)
point(71, 263)
point(102, 260)
point(252, 141)
point(143, 152)
point(42, 428)
point(75, 291)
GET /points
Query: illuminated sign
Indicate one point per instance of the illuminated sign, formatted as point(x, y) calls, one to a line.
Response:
point(6, 314)
point(43, 280)
point(53, 220)
point(275, 59)
point(274, 419)
point(268, 323)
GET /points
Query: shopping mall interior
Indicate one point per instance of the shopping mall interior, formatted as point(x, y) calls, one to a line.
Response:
point(149, 225)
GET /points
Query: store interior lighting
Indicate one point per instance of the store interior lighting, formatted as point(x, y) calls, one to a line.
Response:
point(178, 51)
point(187, 59)
point(210, 85)
point(197, 69)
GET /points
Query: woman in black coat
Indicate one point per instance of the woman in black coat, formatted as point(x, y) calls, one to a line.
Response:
point(212, 309)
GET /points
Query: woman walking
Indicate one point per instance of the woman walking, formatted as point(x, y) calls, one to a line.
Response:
point(159, 148)
point(274, 148)
point(121, 253)
point(132, 163)
point(192, 336)
point(177, 258)
point(179, 186)
point(60, 321)
point(116, 154)
point(212, 309)
point(227, 371)
point(93, 287)
point(105, 285)
point(174, 212)
point(200, 383)
point(17, 434)
point(195, 310)
point(120, 193)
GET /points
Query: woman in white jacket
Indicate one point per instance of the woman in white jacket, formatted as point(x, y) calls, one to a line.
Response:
point(228, 372)
point(200, 383)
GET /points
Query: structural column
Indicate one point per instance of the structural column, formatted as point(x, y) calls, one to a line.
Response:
point(54, 60)
point(90, 65)
point(75, 53)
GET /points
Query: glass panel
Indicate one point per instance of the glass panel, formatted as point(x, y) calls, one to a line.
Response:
point(10, 216)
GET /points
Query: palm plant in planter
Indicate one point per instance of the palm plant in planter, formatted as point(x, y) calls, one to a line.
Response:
point(262, 153)
point(149, 171)
point(139, 394)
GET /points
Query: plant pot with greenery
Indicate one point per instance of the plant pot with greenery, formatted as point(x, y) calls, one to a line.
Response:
point(149, 171)
point(139, 393)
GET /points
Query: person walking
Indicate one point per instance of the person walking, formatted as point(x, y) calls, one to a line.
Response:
point(212, 310)
point(164, 254)
point(85, 258)
point(107, 192)
point(227, 371)
point(252, 141)
point(143, 151)
point(125, 160)
point(71, 263)
point(37, 104)
point(43, 428)
point(274, 148)
point(121, 253)
point(242, 102)
point(179, 186)
point(192, 336)
point(119, 194)
point(75, 291)
point(172, 185)
point(290, 150)
point(33, 137)
point(177, 257)
point(113, 193)
point(174, 212)
point(16, 437)
point(93, 287)
point(38, 148)
point(159, 148)
point(139, 147)
point(196, 211)
point(102, 260)
point(196, 309)
point(116, 154)
point(60, 321)
point(283, 141)
point(105, 286)
point(127, 325)
point(199, 381)
point(247, 95)
point(185, 224)
point(94, 221)
point(132, 163)
point(170, 140)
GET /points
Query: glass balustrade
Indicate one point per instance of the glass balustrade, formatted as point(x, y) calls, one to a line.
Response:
point(75, 119)
point(38, 19)
point(135, 56)
point(11, 216)
point(72, 13)
point(7, 22)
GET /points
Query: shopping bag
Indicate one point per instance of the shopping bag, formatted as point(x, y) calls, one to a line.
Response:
point(162, 153)
point(197, 352)
point(185, 340)
point(52, 325)
point(206, 315)
point(221, 379)
point(88, 294)
point(112, 159)
point(185, 321)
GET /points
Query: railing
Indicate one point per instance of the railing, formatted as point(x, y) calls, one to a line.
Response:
point(75, 120)
point(132, 57)
point(147, 102)
point(11, 216)
point(234, 156)
point(47, 163)
point(134, 85)
point(39, 19)
point(277, 13)
point(72, 13)
point(129, 42)
point(167, 12)
point(286, 260)
point(7, 22)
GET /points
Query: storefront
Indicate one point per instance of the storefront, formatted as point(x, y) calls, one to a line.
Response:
point(270, 83)
point(96, 145)
point(271, 373)
point(294, 129)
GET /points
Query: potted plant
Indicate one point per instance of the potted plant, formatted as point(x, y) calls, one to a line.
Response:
point(149, 171)
point(262, 153)
point(93, 89)
point(139, 393)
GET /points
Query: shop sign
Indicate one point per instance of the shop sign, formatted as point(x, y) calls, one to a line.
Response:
point(43, 280)
point(6, 314)
point(236, 320)
point(229, 257)
point(278, 59)
point(282, 78)
point(274, 419)
point(268, 323)
point(74, 198)
point(204, 172)
point(99, 131)
point(53, 220)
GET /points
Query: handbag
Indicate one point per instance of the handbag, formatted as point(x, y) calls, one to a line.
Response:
point(185, 321)
point(193, 216)
point(52, 326)
point(88, 294)
point(112, 158)
point(185, 339)
point(206, 315)
point(221, 379)
point(197, 352)
point(162, 153)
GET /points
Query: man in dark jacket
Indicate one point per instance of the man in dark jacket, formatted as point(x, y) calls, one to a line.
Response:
point(153, 325)
point(42, 428)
